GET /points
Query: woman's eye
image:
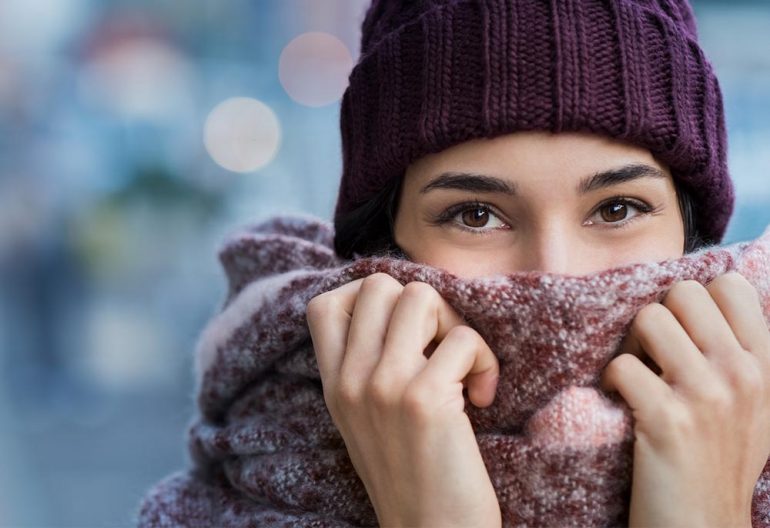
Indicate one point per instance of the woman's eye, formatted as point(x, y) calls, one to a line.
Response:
point(476, 218)
point(616, 211)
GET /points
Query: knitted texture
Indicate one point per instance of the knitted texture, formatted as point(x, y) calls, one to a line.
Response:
point(558, 449)
point(434, 73)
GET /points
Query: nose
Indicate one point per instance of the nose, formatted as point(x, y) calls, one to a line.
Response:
point(550, 251)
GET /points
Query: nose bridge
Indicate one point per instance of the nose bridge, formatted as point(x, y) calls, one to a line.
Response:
point(550, 250)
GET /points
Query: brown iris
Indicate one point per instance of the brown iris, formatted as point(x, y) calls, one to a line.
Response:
point(475, 217)
point(617, 211)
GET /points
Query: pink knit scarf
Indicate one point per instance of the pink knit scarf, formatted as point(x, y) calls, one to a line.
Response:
point(558, 450)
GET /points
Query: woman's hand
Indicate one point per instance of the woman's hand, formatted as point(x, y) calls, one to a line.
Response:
point(703, 427)
point(400, 413)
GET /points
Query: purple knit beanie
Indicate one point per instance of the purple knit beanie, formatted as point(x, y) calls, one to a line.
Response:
point(434, 73)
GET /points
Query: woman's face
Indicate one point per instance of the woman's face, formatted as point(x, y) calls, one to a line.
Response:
point(562, 203)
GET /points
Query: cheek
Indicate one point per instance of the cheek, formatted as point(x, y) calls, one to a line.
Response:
point(667, 240)
point(464, 262)
point(482, 268)
point(653, 246)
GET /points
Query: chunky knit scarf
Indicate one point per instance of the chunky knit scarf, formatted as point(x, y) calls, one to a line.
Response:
point(265, 451)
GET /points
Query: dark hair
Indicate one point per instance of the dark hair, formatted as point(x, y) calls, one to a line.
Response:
point(368, 229)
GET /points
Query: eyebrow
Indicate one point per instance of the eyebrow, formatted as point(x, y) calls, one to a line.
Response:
point(482, 183)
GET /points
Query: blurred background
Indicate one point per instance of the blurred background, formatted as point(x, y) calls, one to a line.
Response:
point(133, 135)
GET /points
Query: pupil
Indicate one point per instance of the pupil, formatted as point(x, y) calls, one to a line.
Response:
point(617, 212)
point(476, 217)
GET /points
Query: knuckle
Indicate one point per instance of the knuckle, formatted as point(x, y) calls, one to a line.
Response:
point(649, 316)
point(731, 278)
point(420, 290)
point(750, 379)
point(346, 394)
point(379, 391)
point(332, 404)
point(676, 421)
point(684, 289)
point(718, 399)
point(734, 283)
point(318, 305)
point(620, 364)
point(380, 282)
point(688, 285)
point(465, 334)
point(673, 418)
point(416, 402)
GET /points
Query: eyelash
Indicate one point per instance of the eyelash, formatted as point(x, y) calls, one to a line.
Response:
point(450, 213)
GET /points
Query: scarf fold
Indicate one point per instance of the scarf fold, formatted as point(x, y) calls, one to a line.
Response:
point(558, 450)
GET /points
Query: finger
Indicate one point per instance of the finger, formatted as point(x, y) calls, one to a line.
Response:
point(631, 345)
point(702, 319)
point(656, 334)
point(377, 297)
point(740, 305)
point(328, 318)
point(463, 354)
point(637, 384)
point(420, 316)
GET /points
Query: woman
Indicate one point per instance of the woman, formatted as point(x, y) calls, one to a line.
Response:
point(567, 137)
point(538, 166)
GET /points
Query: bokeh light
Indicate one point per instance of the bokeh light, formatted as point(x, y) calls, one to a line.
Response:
point(33, 27)
point(140, 78)
point(242, 134)
point(314, 68)
point(125, 348)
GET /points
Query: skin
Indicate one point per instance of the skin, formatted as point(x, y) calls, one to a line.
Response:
point(544, 227)
point(394, 358)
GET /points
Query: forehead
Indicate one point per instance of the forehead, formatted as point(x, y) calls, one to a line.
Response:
point(533, 155)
